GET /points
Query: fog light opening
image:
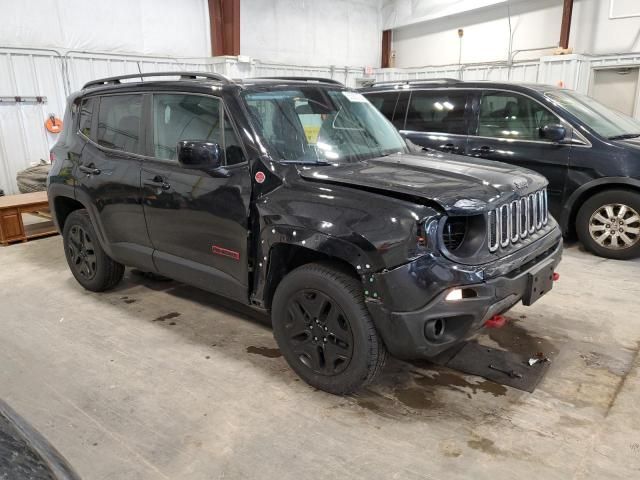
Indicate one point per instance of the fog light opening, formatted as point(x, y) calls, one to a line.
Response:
point(460, 294)
point(435, 328)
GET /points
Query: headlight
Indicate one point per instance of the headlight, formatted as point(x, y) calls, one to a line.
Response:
point(462, 236)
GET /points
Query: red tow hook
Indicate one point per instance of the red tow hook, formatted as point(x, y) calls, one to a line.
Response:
point(497, 321)
point(556, 276)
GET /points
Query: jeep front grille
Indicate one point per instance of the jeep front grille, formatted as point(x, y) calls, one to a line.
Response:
point(512, 222)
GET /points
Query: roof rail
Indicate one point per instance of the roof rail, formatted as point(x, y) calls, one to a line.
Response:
point(141, 76)
point(444, 80)
point(305, 79)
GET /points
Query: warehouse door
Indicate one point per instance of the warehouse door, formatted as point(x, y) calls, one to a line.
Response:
point(617, 88)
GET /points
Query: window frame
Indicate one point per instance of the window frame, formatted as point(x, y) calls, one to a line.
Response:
point(468, 110)
point(92, 127)
point(224, 111)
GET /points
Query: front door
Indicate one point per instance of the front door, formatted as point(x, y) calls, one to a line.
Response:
point(108, 175)
point(197, 219)
point(508, 130)
point(438, 119)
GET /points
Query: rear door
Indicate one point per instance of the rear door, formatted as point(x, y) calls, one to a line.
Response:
point(507, 129)
point(108, 174)
point(439, 119)
point(197, 219)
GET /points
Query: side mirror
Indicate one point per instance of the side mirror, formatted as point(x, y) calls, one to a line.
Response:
point(554, 132)
point(199, 155)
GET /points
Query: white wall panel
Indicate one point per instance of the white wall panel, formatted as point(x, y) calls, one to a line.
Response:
point(306, 32)
point(166, 27)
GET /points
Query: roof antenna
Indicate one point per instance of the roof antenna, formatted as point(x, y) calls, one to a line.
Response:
point(140, 70)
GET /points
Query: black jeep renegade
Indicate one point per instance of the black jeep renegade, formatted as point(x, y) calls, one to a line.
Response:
point(298, 197)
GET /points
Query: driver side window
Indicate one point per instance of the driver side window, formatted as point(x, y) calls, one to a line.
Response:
point(512, 116)
point(192, 117)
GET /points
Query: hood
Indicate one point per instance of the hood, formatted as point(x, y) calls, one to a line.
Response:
point(633, 143)
point(459, 185)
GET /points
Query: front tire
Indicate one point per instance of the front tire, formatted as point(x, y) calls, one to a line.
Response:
point(608, 224)
point(324, 329)
point(89, 264)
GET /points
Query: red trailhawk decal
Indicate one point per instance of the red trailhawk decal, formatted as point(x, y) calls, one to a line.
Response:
point(225, 252)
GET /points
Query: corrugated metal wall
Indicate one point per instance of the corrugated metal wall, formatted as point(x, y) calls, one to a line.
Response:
point(51, 74)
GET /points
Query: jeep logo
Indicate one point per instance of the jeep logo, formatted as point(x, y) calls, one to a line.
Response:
point(520, 183)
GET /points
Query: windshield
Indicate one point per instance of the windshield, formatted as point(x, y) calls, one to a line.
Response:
point(602, 120)
point(312, 124)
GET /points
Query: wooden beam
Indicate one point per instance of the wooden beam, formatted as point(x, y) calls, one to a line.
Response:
point(565, 29)
point(386, 49)
point(224, 22)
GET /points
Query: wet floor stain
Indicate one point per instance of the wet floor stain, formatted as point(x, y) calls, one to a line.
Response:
point(128, 300)
point(422, 395)
point(516, 339)
point(485, 445)
point(265, 351)
point(168, 316)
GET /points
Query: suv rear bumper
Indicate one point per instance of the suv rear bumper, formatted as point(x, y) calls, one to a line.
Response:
point(498, 286)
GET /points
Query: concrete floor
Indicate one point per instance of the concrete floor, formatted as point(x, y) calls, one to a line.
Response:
point(156, 380)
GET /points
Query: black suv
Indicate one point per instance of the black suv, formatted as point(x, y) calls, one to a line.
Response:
point(589, 153)
point(296, 196)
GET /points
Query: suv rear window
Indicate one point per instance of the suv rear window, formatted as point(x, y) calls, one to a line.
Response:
point(119, 122)
point(437, 111)
point(385, 102)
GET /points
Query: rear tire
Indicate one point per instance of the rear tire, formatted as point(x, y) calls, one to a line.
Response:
point(324, 329)
point(608, 224)
point(89, 264)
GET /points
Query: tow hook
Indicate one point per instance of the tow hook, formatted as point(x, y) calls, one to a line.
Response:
point(556, 276)
point(497, 321)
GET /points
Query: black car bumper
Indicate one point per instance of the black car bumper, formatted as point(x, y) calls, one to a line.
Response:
point(412, 328)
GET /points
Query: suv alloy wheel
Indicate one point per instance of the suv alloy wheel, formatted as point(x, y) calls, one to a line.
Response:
point(90, 265)
point(608, 224)
point(324, 330)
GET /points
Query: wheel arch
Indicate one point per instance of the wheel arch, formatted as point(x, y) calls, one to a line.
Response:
point(578, 197)
point(63, 207)
point(284, 257)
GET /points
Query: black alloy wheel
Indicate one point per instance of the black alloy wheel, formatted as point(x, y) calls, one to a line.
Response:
point(88, 262)
point(82, 252)
point(324, 329)
point(319, 332)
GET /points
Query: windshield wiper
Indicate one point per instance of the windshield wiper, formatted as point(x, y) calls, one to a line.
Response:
point(624, 136)
point(305, 162)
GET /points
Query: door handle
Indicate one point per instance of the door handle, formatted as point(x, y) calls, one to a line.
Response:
point(449, 147)
point(158, 182)
point(484, 150)
point(89, 169)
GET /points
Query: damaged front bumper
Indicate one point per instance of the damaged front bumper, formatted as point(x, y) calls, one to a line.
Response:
point(413, 316)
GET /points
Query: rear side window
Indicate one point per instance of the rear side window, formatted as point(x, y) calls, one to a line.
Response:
point(86, 115)
point(385, 102)
point(179, 117)
point(119, 122)
point(509, 115)
point(437, 111)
